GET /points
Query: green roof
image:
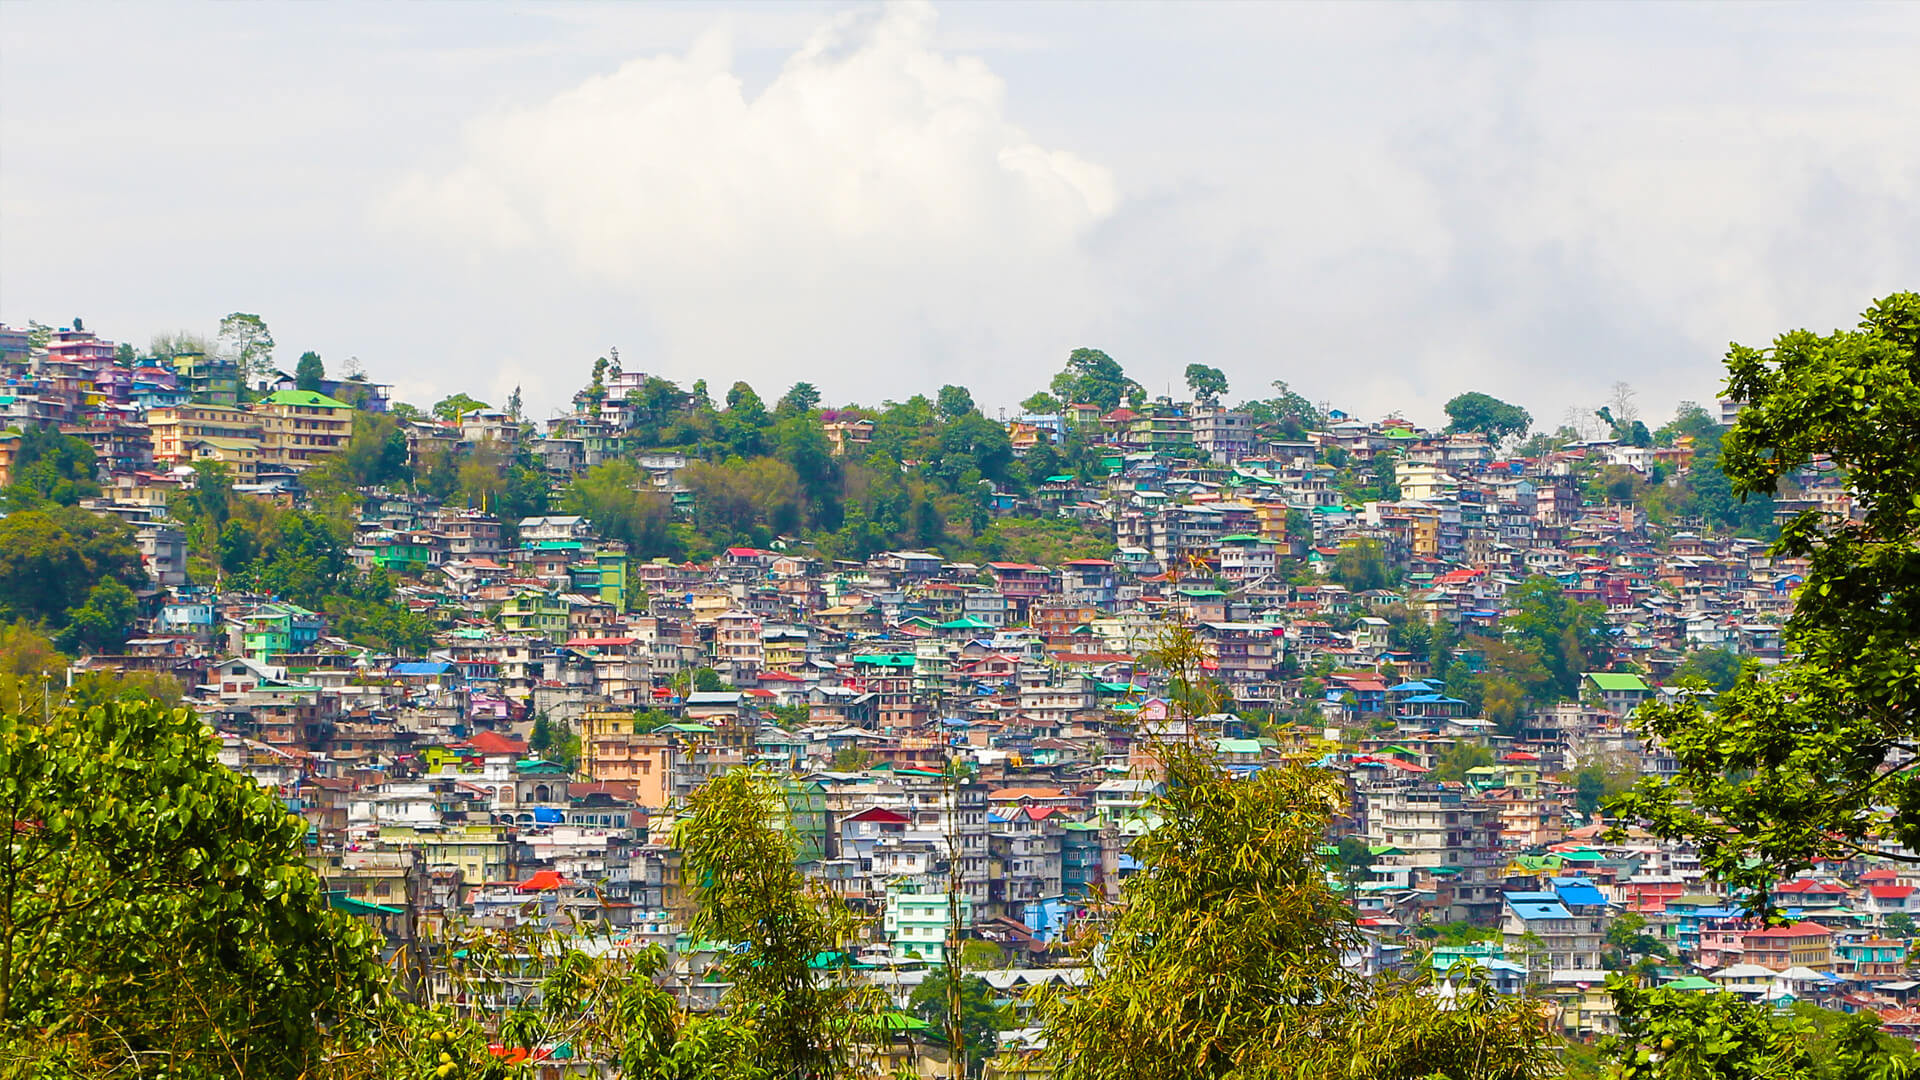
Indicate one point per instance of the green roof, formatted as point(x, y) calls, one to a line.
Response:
point(310, 398)
point(964, 623)
point(1618, 681)
point(901, 660)
point(1237, 746)
point(1691, 982)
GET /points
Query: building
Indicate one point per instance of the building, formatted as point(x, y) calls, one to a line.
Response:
point(302, 427)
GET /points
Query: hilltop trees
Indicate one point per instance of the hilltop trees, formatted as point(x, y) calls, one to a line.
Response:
point(248, 342)
point(1487, 415)
point(1093, 377)
point(1207, 384)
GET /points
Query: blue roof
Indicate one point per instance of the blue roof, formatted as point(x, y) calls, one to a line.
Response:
point(1577, 892)
point(422, 667)
point(1415, 686)
point(1533, 905)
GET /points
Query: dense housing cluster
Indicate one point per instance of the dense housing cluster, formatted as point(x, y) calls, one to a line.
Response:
point(488, 660)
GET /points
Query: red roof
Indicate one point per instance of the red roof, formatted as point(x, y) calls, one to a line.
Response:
point(541, 881)
point(492, 742)
point(1805, 886)
point(1891, 892)
point(1796, 930)
point(593, 642)
point(880, 814)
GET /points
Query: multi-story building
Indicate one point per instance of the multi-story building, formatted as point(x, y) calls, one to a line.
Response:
point(302, 427)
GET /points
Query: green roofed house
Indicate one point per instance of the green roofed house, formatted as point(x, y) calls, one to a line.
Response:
point(1620, 692)
point(301, 428)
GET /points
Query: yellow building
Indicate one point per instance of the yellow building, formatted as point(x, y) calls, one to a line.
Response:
point(302, 427)
point(612, 749)
point(174, 427)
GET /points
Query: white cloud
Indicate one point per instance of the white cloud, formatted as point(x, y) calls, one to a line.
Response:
point(872, 220)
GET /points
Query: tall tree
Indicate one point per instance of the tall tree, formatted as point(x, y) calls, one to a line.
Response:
point(248, 343)
point(954, 402)
point(1487, 415)
point(799, 399)
point(1223, 958)
point(752, 894)
point(309, 372)
point(1817, 760)
point(1208, 384)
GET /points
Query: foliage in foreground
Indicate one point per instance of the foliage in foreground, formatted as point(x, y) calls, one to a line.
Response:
point(1223, 959)
point(155, 912)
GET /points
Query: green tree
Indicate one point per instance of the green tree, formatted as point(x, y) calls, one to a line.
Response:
point(1362, 565)
point(1042, 404)
point(156, 907)
point(52, 560)
point(248, 342)
point(1487, 415)
point(51, 467)
point(611, 495)
point(1813, 761)
point(801, 398)
point(806, 1016)
point(955, 402)
point(309, 372)
point(452, 407)
point(1569, 637)
point(1207, 384)
point(1223, 959)
point(1093, 377)
point(981, 1021)
point(1452, 763)
point(1712, 669)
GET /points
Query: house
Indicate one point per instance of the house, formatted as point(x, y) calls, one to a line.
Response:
point(1801, 944)
point(1619, 692)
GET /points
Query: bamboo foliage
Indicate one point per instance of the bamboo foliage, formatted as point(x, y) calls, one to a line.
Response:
point(1222, 958)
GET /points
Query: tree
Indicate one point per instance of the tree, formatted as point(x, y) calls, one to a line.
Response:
point(156, 907)
point(125, 355)
point(1567, 637)
point(1453, 763)
point(1709, 669)
point(53, 560)
point(50, 466)
point(452, 407)
point(1042, 404)
point(1362, 565)
point(980, 1020)
point(1488, 415)
point(1814, 761)
point(1223, 957)
point(1093, 377)
point(309, 372)
point(611, 495)
point(513, 404)
point(1208, 384)
point(1355, 858)
point(801, 398)
point(955, 402)
point(248, 343)
point(752, 895)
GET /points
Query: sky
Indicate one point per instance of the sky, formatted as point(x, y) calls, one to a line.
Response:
point(1381, 205)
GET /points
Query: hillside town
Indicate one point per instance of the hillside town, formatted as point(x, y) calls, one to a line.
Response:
point(487, 659)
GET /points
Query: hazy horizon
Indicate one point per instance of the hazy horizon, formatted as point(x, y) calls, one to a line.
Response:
point(1382, 205)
